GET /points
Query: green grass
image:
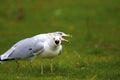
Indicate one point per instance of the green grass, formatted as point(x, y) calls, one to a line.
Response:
point(93, 51)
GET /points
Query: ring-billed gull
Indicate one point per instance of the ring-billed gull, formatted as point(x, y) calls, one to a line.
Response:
point(29, 47)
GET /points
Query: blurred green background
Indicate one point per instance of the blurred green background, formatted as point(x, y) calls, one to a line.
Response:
point(93, 53)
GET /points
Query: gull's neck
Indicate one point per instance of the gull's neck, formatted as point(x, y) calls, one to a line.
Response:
point(51, 45)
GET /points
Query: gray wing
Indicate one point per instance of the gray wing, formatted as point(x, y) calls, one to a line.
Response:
point(26, 48)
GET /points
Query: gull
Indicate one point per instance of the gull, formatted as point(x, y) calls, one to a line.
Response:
point(29, 47)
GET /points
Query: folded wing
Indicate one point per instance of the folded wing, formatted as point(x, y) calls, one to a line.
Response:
point(26, 48)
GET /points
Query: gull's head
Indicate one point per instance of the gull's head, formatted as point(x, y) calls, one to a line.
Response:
point(62, 35)
point(57, 40)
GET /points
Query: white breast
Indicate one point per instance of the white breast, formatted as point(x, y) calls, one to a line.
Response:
point(50, 53)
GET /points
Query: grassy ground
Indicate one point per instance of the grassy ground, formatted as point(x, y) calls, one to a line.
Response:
point(92, 54)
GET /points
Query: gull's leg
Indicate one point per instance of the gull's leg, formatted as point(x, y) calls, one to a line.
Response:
point(18, 65)
point(41, 68)
point(51, 65)
point(31, 63)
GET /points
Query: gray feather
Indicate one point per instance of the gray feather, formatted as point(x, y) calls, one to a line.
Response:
point(26, 48)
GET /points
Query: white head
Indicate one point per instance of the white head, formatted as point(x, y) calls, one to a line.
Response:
point(62, 35)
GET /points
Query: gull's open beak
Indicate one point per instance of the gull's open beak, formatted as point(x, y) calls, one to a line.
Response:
point(65, 35)
point(64, 39)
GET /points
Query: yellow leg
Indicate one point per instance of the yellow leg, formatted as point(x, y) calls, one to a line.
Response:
point(41, 68)
point(51, 65)
point(18, 65)
point(31, 64)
